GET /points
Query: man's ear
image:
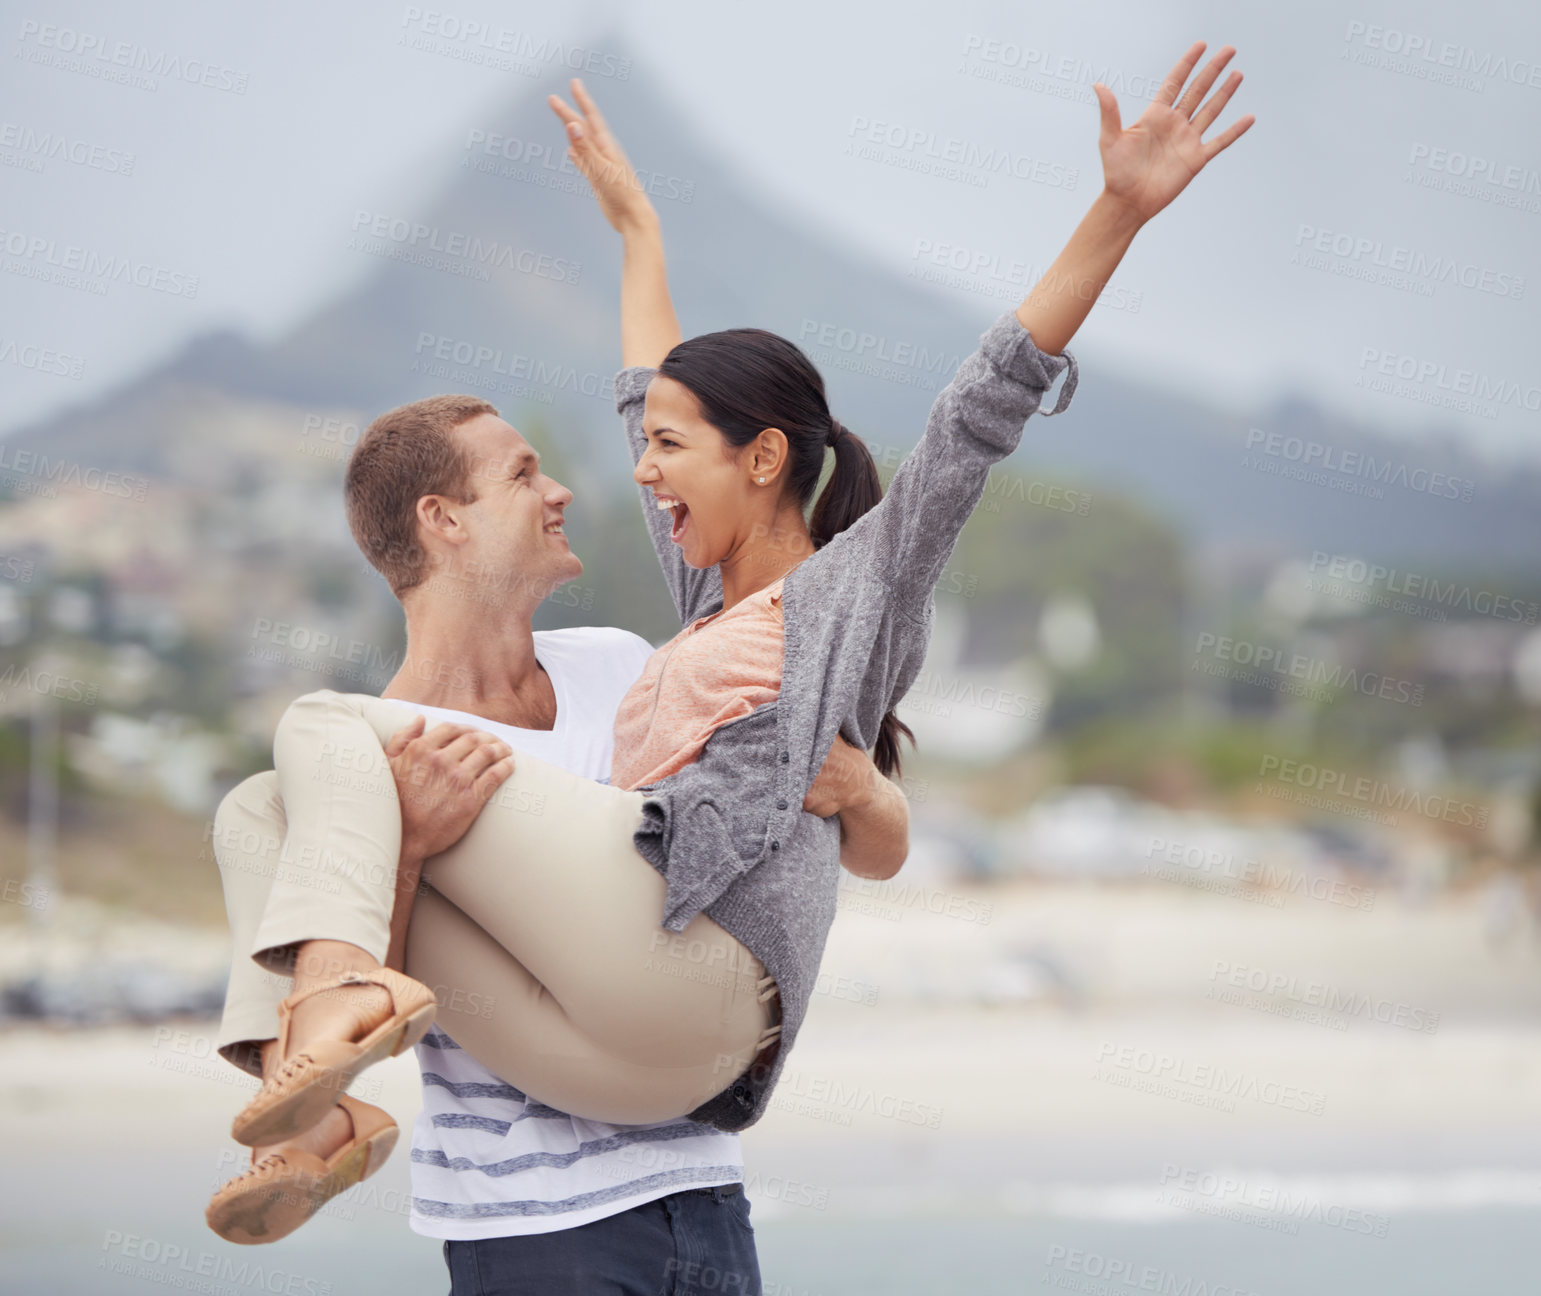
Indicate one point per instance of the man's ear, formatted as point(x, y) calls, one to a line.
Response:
point(429, 512)
point(439, 516)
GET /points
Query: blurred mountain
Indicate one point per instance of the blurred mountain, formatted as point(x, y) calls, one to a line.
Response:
point(549, 344)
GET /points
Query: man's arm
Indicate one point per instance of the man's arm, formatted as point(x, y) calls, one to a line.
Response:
point(874, 815)
point(444, 776)
point(875, 836)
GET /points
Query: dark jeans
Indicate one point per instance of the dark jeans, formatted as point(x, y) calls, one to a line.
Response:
point(698, 1242)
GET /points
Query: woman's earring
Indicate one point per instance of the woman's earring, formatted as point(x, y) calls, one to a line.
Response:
point(762, 481)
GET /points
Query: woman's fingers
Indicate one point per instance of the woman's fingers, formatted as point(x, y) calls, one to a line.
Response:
point(1195, 93)
point(595, 118)
point(1112, 123)
point(580, 136)
point(589, 123)
point(560, 107)
point(599, 158)
point(1217, 101)
point(1216, 104)
point(1178, 76)
point(1228, 137)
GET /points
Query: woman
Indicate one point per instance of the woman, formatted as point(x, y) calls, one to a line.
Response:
point(816, 635)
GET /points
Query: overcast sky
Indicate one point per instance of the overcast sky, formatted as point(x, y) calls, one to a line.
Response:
point(247, 190)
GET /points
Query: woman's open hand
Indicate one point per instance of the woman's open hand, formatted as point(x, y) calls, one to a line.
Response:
point(1150, 163)
point(601, 160)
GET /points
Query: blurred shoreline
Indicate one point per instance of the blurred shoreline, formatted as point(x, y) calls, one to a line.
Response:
point(1017, 1070)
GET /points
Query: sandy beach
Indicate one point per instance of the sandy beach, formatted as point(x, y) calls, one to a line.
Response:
point(1053, 1062)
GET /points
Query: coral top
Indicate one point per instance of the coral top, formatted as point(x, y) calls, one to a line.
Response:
point(718, 668)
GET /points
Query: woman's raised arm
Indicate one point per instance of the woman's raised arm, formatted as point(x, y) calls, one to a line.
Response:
point(649, 328)
point(1143, 169)
point(978, 419)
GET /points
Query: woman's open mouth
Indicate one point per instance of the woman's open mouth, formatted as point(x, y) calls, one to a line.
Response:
point(681, 512)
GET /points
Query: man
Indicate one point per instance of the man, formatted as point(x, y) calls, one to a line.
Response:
point(449, 502)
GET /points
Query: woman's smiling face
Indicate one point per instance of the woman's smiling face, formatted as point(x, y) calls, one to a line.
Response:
point(690, 465)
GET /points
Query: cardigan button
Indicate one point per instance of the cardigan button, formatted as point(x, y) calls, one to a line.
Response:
point(781, 804)
point(785, 757)
point(775, 845)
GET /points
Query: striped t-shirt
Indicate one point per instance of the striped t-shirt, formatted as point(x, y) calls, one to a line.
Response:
point(486, 1160)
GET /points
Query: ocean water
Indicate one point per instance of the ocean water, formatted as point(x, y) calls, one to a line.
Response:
point(1427, 1181)
point(156, 1242)
point(1487, 1250)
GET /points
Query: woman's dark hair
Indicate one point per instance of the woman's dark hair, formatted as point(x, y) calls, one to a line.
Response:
point(747, 380)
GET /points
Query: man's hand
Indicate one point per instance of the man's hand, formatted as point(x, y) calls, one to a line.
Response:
point(443, 779)
point(846, 781)
point(874, 815)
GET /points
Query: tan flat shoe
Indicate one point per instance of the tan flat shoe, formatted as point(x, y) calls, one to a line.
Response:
point(288, 1185)
point(304, 1087)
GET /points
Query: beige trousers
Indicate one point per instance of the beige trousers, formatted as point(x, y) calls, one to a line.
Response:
point(538, 931)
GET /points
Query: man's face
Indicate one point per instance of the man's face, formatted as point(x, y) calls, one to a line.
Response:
point(515, 540)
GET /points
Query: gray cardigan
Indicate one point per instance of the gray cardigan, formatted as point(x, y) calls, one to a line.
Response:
point(728, 832)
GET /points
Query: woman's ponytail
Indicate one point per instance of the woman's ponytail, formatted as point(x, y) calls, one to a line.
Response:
point(854, 488)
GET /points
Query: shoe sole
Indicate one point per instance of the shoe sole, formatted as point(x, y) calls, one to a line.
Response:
point(295, 1112)
point(273, 1210)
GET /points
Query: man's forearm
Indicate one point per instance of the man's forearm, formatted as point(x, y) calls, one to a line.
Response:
point(1062, 299)
point(875, 836)
point(649, 327)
